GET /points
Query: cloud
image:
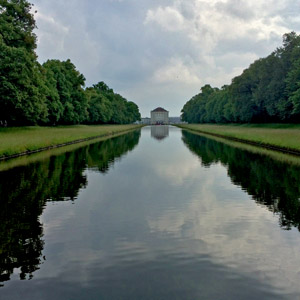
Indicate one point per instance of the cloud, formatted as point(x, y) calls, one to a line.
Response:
point(162, 49)
point(227, 223)
point(176, 174)
point(214, 19)
point(63, 38)
point(168, 18)
point(236, 8)
point(176, 71)
point(50, 29)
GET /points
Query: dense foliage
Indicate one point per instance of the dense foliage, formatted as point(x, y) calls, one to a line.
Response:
point(268, 91)
point(52, 93)
point(105, 106)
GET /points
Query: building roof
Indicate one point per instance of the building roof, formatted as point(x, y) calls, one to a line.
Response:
point(159, 109)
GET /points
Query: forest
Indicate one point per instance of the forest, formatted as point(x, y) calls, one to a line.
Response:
point(52, 93)
point(266, 92)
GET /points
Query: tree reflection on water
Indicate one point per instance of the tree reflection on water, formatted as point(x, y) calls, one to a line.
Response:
point(24, 192)
point(275, 184)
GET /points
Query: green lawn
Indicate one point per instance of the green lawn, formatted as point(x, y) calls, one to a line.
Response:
point(22, 139)
point(283, 136)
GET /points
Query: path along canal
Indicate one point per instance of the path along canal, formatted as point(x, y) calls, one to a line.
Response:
point(157, 213)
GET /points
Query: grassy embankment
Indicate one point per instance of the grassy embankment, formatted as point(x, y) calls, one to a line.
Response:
point(283, 137)
point(23, 140)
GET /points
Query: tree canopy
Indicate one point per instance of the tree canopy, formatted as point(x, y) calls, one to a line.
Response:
point(22, 88)
point(267, 91)
point(52, 93)
point(105, 106)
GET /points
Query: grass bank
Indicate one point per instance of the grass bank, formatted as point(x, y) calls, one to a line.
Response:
point(282, 137)
point(26, 140)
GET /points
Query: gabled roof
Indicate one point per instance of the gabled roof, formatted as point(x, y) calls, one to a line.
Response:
point(159, 109)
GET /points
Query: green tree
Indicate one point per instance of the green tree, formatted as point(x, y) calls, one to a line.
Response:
point(17, 24)
point(195, 110)
point(292, 55)
point(267, 91)
point(103, 87)
point(133, 112)
point(22, 90)
point(293, 87)
point(63, 76)
point(54, 106)
point(105, 106)
point(99, 107)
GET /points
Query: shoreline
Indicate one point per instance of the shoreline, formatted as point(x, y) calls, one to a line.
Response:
point(269, 146)
point(76, 141)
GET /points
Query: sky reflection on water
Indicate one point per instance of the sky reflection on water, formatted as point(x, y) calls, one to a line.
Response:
point(165, 221)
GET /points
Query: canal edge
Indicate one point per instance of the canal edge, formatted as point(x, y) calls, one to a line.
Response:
point(261, 145)
point(29, 152)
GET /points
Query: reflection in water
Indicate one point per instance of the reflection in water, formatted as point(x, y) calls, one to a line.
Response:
point(156, 225)
point(159, 132)
point(24, 192)
point(271, 183)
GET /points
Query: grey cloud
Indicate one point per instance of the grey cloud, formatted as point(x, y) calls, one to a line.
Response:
point(236, 8)
point(109, 41)
point(248, 43)
point(187, 9)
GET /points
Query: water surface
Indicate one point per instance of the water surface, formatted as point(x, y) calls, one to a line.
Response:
point(156, 214)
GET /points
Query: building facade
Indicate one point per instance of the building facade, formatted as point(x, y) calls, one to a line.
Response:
point(145, 121)
point(159, 116)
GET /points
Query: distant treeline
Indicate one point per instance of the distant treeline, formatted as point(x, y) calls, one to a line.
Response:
point(268, 91)
point(52, 93)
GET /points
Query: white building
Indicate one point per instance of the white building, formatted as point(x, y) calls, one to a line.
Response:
point(145, 121)
point(175, 120)
point(159, 116)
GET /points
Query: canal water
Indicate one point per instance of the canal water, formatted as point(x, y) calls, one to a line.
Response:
point(154, 214)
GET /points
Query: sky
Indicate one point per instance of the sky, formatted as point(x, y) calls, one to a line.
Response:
point(160, 53)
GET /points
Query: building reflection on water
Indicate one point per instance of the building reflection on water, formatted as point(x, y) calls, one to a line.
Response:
point(159, 132)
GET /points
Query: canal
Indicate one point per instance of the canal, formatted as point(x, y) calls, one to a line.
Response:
point(157, 213)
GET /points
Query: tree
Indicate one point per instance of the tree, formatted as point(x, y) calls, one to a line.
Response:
point(293, 88)
point(69, 83)
point(103, 88)
point(133, 112)
point(54, 105)
point(17, 24)
point(105, 106)
point(52, 93)
point(267, 91)
point(22, 91)
point(99, 107)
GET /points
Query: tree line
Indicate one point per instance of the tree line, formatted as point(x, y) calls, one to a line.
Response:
point(51, 93)
point(267, 91)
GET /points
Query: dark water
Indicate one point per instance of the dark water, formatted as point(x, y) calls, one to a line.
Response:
point(156, 214)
